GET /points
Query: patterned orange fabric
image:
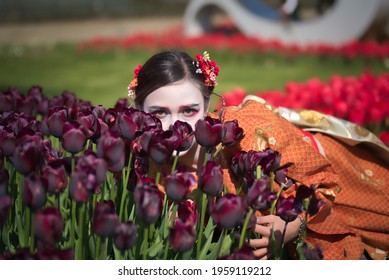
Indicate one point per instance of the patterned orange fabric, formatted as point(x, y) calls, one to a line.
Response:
point(358, 218)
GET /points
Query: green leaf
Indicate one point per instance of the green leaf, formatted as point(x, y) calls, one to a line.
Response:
point(156, 247)
point(209, 228)
point(206, 247)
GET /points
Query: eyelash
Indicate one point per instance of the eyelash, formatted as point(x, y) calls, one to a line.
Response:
point(188, 112)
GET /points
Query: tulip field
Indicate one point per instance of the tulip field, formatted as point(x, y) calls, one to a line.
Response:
point(83, 176)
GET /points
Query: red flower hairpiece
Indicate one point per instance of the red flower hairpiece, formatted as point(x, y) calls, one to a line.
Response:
point(134, 82)
point(207, 67)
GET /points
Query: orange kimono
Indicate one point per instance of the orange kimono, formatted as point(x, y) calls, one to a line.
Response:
point(352, 181)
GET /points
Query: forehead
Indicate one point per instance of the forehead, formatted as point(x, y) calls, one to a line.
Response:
point(181, 93)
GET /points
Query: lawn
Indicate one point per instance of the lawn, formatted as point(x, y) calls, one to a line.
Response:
point(102, 77)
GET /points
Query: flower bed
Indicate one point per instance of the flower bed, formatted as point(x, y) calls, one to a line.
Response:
point(363, 100)
point(235, 42)
point(85, 182)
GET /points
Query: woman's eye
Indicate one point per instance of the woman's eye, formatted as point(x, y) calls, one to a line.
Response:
point(188, 112)
point(159, 113)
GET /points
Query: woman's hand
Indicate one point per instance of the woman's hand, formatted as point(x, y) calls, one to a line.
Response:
point(264, 227)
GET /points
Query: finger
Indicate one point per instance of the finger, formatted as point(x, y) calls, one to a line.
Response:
point(262, 230)
point(264, 258)
point(260, 253)
point(259, 243)
point(266, 219)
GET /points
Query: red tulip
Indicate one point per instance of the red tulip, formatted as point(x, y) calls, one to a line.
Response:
point(228, 210)
point(48, 226)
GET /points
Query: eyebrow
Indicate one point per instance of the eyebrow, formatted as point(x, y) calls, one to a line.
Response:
point(189, 106)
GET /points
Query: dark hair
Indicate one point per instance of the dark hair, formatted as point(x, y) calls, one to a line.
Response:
point(166, 68)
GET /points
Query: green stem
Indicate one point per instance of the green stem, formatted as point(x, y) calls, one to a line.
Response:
point(175, 162)
point(81, 216)
point(273, 205)
point(283, 241)
point(145, 242)
point(201, 224)
point(217, 151)
point(244, 229)
point(73, 224)
point(98, 245)
point(220, 243)
point(27, 230)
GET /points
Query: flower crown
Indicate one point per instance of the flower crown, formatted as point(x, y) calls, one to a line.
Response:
point(132, 86)
point(203, 64)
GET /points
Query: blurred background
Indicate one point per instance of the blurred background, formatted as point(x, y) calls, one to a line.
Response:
point(90, 47)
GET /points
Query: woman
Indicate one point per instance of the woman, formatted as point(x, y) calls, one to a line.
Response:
point(173, 86)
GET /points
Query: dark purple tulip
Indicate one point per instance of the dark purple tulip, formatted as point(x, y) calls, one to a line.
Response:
point(288, 208)
point(105, 219)
point(74, 137)
point(111, 118)
point(128, 124)
point(208, 132)
point(27, 155)
point(49, 153)
point(99, 112)
point(148, 202)
point(185, 134)
point(211, 179)
point(311, 253)
point(40, 101)
point(82, 185)
point(34, 193)
point(238, 164)
point(7, 140)
point(161, 146)
point(270, 160)
point(48, 226)
point(179, 184)
point(5, 206)
point(121, 103)
point(243, 253)
point(91, 125)
point(6, 103)
point(228, 210)
point(69, 99)
point(90, 163)
point(110, 147)
point(125, 235)
point(56, 119)
point(282, 179)
point(182, 236)
point(187, 211)
point(232, 134)
point(55, 175)
point(259, 196)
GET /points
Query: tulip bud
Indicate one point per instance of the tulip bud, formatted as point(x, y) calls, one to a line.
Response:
point(288, 208)
point(148, 202)
point(232, 134)
point(55, 175)
point(27, 155)
point(34, 193)
point(105, 219)
point(125, 235)
point(211, 179)
point(259, 196)
point(182, 236)
point(178, 185)
point(73, 138)
point(48, 226)
point(110, 147)
point(185, 134)
point(187, 211)
point(228, 210)
point(243, 253)
point(56, 120)
point(208, 132)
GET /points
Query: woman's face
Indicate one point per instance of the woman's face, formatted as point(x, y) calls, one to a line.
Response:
point(179, 101)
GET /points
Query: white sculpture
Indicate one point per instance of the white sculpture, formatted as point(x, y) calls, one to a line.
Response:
point(344, 21)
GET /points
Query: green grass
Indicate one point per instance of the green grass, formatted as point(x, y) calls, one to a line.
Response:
point(102, 77)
